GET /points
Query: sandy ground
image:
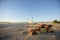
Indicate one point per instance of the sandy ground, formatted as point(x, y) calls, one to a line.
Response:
point(20, 33)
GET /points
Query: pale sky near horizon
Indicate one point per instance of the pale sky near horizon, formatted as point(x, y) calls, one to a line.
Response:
point(21, 10)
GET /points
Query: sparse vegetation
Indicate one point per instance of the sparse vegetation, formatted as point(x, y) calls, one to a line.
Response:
point(56, 21)
point(21, 33)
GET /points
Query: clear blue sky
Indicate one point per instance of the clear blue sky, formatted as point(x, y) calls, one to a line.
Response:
point(21, 10)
